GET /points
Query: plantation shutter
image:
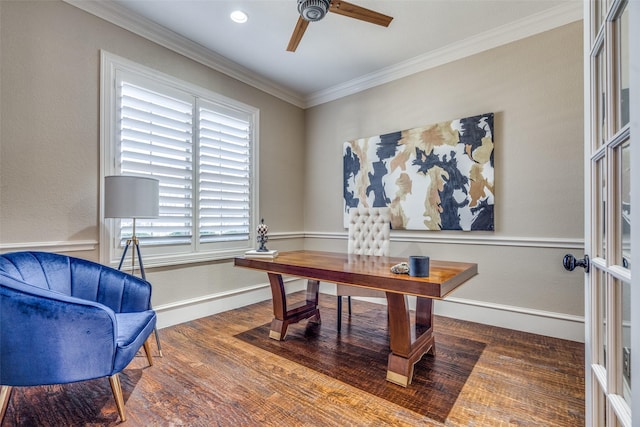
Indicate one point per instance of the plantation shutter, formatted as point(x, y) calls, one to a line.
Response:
point(224, 174)
point(157, 131)
point(200, 145)
point(156, 139)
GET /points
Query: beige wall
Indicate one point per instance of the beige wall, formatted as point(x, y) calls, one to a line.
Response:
point(49, 137)
point(49, 152)
point(534, 87)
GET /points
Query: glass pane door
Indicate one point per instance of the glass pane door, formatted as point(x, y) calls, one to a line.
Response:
point(608, 145)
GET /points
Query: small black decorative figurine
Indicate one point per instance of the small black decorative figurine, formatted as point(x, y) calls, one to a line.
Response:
point(262, 236)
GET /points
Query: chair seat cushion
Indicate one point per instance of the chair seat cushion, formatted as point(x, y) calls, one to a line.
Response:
point(133, 330)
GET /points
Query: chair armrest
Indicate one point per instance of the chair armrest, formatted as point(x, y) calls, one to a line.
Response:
point(50, 338)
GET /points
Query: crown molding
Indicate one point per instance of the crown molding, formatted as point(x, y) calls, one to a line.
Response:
point(120, 16)
point(563, 14)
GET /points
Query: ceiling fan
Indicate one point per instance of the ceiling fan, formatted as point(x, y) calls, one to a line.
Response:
point(315, 10)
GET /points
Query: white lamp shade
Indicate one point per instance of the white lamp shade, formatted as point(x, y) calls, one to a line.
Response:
point(131, 197)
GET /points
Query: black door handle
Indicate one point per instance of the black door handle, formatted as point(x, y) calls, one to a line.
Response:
point(570, 262)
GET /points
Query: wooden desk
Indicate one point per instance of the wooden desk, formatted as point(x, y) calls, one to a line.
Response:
point(408, 344)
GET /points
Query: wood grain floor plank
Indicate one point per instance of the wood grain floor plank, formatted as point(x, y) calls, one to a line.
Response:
point(220, 371)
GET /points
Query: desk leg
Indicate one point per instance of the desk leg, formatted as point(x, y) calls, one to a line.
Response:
point(405, 351)
point(284, 316)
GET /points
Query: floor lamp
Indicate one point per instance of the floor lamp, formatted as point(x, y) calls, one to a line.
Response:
point(132, 197)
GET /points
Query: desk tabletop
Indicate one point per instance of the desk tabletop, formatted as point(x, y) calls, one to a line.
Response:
point(373, 272)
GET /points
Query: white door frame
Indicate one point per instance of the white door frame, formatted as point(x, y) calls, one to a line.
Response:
point(634, 80)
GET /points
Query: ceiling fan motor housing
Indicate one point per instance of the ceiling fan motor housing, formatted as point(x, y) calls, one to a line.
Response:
point(313, 10)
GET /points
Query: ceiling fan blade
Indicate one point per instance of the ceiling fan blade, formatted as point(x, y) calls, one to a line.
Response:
point(298, 32)
point(354, 11)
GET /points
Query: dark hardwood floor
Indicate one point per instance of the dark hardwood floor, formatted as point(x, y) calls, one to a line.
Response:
point(223, 370)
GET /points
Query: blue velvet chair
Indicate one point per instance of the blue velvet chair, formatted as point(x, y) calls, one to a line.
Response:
point(65, 319)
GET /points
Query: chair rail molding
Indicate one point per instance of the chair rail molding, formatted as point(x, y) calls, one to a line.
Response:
point(486, 240)
point(91, 245)
point(51, 246)
point(467, 239)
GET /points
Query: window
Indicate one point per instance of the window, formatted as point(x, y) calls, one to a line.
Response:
point(201, 147)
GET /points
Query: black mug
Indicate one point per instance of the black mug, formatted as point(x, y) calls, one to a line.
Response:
point(419, 266)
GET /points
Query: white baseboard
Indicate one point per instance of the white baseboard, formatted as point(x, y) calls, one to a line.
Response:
point(540, 322)
point(187, 310)
point(557, 325)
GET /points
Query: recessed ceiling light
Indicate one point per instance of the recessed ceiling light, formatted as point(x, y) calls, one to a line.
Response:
point(239, 16)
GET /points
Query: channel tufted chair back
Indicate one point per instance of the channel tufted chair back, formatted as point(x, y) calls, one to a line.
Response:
point(369, 230)
point(65, 319)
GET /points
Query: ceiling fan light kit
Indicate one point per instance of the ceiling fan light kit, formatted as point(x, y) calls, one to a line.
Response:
point(313, 10)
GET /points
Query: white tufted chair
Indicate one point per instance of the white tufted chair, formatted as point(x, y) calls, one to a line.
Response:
point(368, 235)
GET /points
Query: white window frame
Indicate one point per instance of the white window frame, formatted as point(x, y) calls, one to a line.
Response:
point(162, 255)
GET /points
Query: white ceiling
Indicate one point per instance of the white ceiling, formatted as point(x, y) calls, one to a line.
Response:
point(337, 55)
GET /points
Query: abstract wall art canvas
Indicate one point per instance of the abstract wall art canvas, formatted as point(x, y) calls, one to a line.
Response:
point(436, 177)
